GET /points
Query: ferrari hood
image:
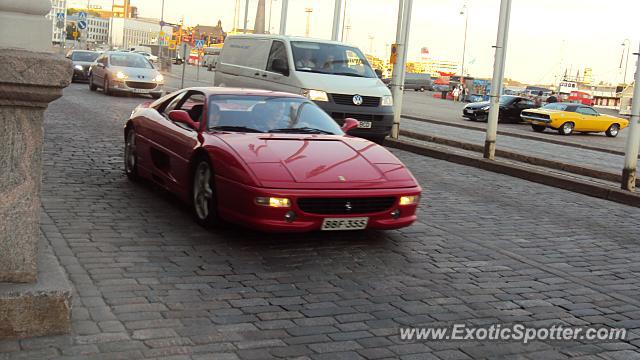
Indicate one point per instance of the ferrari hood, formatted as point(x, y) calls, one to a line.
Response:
point(318, 161)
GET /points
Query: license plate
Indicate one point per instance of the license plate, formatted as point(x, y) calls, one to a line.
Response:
point(140, 91)
point(468, 111)
point(364, 124)
point(354, 223)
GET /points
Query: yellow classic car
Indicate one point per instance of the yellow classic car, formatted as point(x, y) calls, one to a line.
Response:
point(568, 118)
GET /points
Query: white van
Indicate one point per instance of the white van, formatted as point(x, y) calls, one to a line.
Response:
point(334, 75)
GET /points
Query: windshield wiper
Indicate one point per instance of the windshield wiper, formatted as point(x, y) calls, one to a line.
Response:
point(235, 128)
point(348, 74)
point(301, 130)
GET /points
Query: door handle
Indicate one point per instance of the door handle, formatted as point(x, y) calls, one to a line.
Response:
point(257, 74)
point(264, 75)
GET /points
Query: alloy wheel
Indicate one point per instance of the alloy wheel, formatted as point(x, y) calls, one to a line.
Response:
point(202, 192)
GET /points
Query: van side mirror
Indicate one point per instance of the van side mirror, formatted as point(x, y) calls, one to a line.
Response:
point(280, 66)
point(183, 117)
point(349, 123)
point(378, 73)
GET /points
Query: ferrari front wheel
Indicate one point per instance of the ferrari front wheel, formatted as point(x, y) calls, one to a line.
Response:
point(130, 156)
point(204, 200)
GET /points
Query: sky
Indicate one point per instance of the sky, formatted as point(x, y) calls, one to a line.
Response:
point(545, 36)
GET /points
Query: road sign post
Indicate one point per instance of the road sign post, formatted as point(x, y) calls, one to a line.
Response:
point(184, 51)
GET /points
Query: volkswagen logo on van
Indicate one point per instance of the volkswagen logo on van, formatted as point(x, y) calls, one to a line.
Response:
point(357, 100)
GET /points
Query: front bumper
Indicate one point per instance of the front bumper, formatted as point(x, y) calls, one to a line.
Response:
point(236, 204)
point(80, 74)
point(381, 118)
point(475, 114)
point(137, 87)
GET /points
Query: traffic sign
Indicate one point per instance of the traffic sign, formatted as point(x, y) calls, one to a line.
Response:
point(199, 44)
point(82, 15)
point(82, 24)
point(394, 53)
point(60, 20)
point(172, 45)
point(75, 34)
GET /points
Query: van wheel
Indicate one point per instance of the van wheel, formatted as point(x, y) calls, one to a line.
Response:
point(92, 86)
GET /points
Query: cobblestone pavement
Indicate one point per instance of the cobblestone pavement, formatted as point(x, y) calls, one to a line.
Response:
point(488, 249)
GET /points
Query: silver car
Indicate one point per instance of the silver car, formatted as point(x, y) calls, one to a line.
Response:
point(125, 72)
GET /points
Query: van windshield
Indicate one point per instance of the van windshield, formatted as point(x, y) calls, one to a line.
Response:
point(331, 59)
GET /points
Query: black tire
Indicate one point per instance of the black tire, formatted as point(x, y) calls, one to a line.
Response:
point(210, 67)
point(566, 129)
point(92, 86)
point(613, 130)
point(538, 128)
point(105, 87)
point(156, 96)
point(204, 202)
point(131, 155)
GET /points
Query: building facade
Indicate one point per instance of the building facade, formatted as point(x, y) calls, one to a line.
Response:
point(57, 6)
point(126, 32)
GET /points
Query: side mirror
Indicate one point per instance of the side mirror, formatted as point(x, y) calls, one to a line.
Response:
point(100, 65)
point(280, 66)
point(378, 73)
point(183, 117)
point(349, 123)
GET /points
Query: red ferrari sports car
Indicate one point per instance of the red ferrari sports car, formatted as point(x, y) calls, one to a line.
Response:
point(267, 160)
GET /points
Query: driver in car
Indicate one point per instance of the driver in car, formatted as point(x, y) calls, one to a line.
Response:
point(306, 60)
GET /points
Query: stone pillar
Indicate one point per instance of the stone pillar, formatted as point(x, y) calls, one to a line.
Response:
point(34, 291)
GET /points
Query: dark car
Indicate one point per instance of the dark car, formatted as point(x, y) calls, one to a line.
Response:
point(510, 108)
point(82, 60)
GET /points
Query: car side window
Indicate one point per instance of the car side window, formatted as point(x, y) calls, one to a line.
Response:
point(587, 111)
point(278, 51)
point(193, 103)
point(103, 60)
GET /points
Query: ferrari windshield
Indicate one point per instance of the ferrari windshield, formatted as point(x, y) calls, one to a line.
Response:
point(268, 115)
point(329, 58)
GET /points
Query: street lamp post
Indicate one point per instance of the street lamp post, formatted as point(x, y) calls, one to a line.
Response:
point(283, 17)
point(465, 12)
point(496, 81)
point(626, 43)
point(161, 41)
point(629, 173)
point(246, 16)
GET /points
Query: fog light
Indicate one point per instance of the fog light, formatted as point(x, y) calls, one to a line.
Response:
point(290, 216)
point(273, 202)
point(395, 213)
point(409, 200)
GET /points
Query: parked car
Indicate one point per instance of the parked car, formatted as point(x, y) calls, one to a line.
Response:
point(152, 58)
point(568, 118)
point(271, 161)
point(510, 108)
point(82, 60)
point(125, 72)
point(336, 76)
point(418, 82)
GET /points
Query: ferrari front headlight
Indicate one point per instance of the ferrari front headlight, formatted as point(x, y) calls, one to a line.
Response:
point(275, 202)
point(409, 200)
